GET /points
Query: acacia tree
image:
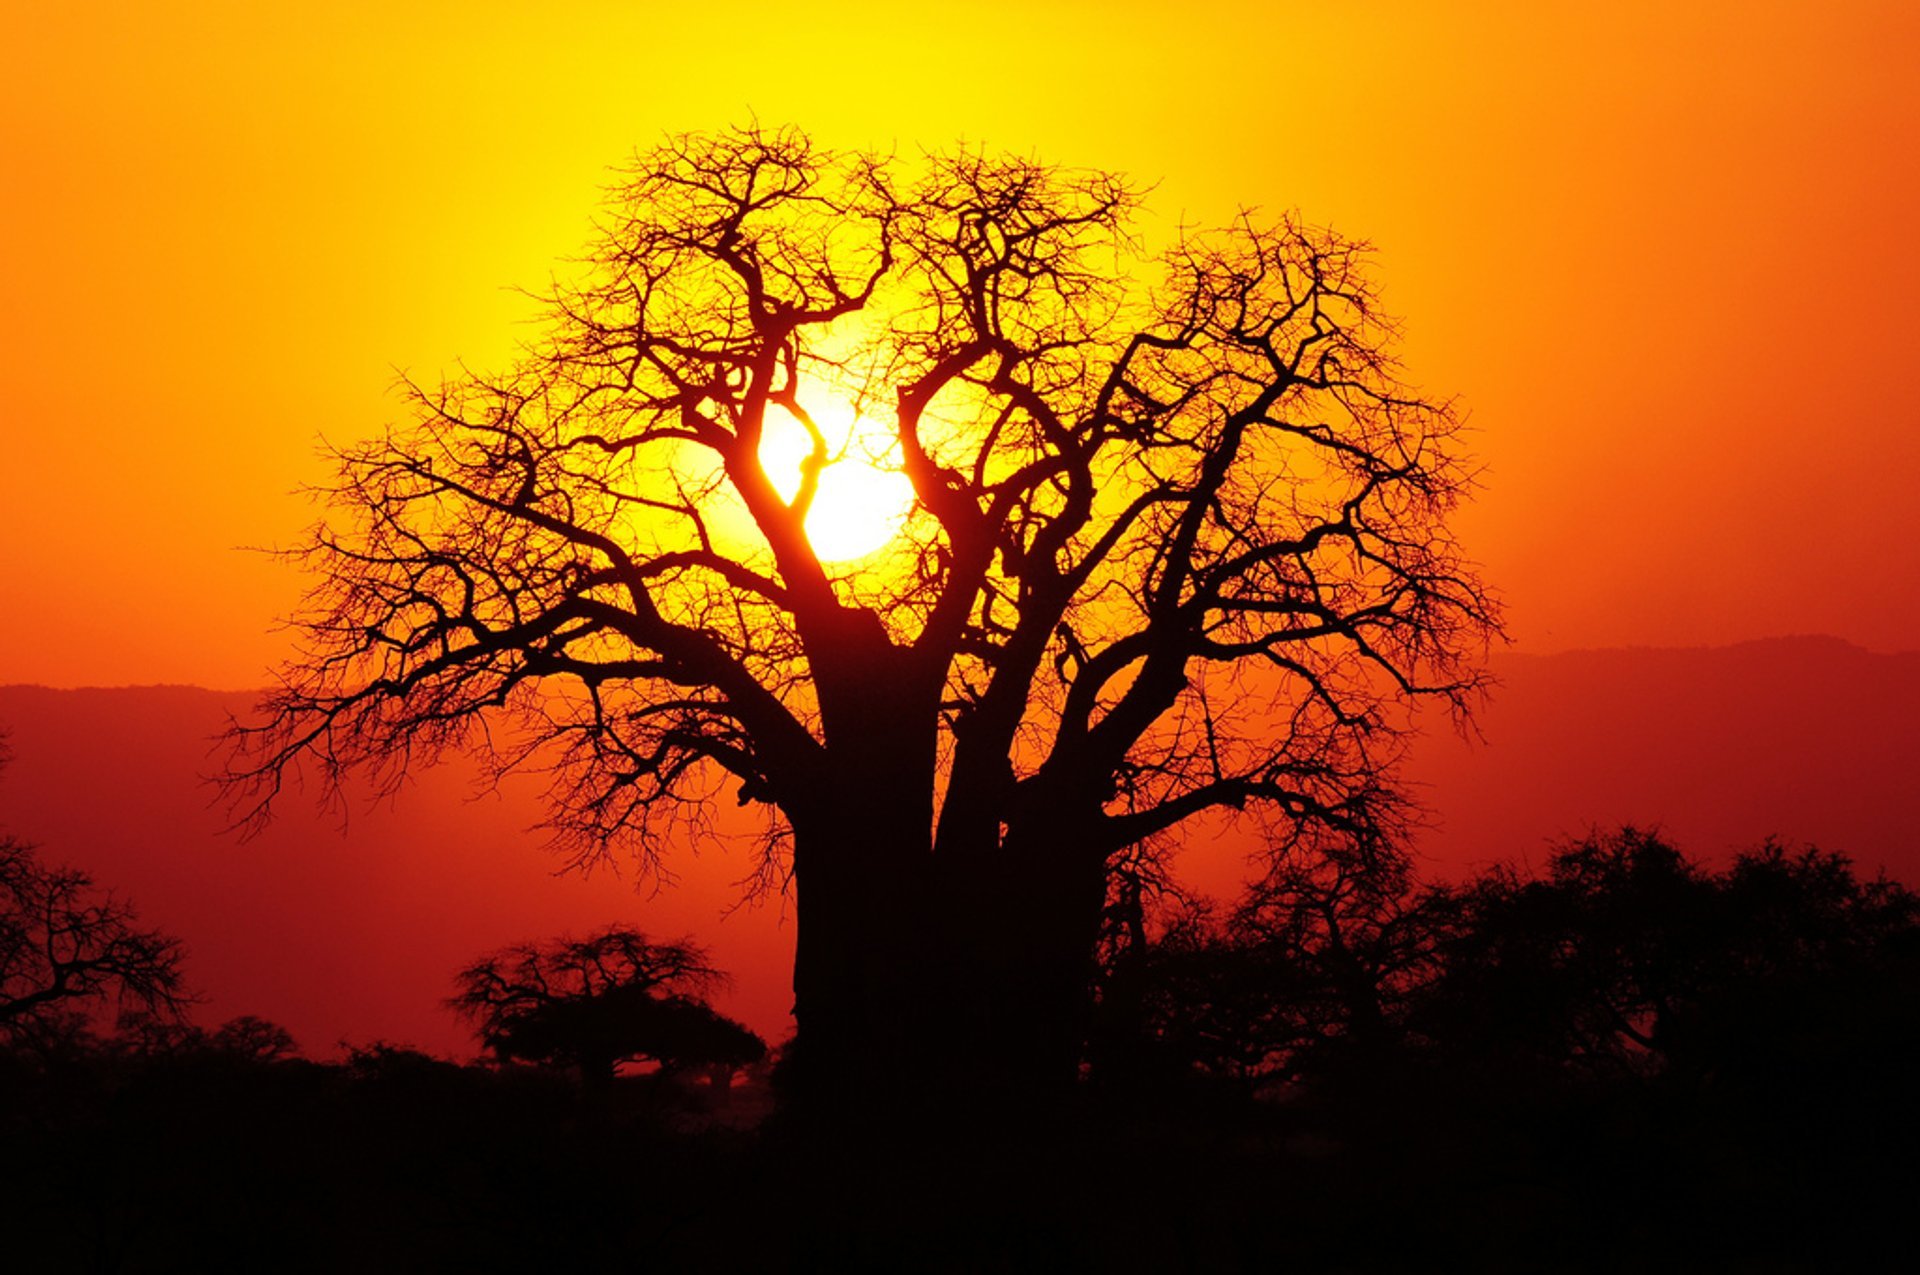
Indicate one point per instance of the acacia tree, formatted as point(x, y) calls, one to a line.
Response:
point(64, 942)
point(595, 1002)
point(1177, 543)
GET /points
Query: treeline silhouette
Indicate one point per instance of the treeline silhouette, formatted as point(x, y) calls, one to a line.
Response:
point(1622, 962)
point(1627, 1060)
point(1624, 1061)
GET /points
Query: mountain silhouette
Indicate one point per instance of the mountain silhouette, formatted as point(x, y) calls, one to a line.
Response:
point(1810, 739)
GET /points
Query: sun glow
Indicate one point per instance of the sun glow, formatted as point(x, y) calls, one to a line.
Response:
point(863, 497)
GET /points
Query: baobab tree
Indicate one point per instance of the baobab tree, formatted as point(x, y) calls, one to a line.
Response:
point(924, 508)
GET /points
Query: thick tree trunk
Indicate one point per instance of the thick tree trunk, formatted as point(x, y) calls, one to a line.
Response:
point(859, 979)
point(862, 860)
point(923, 982)
point(956, 985)
point(1023, 922)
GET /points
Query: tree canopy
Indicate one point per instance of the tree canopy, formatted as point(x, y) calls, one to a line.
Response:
point(592, 1003)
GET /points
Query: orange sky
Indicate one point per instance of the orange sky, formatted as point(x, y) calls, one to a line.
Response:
point(1665, 254)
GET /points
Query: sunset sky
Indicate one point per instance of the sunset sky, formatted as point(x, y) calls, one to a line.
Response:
point(1663, 254)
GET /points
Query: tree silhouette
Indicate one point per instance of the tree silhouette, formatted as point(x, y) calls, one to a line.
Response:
point(1177, 543)
point(596, 1002)
point(1585, 966)
point(1313, 971)
point(65, 943)
point(1628, 960)
point(64, 940)
point(1623, 967)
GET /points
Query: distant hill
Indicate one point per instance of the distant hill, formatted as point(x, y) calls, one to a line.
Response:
point(1809, 739)
point(356, 934)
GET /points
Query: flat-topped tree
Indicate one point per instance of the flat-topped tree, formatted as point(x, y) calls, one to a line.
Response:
point(593, 1003)
point(1165, 534)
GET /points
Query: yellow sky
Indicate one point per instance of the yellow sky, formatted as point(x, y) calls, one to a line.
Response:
point(1666, 258)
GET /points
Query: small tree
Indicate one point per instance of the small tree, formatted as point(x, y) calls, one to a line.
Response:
point(593, 1003)
point(66, 944)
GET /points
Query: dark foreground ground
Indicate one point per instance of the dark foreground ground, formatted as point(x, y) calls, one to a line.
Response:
point(396, 1162)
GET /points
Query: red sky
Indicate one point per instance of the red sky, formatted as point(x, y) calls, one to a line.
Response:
point(1664, 254)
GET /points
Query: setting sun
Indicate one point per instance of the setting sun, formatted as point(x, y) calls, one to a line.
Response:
point(863, 496)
